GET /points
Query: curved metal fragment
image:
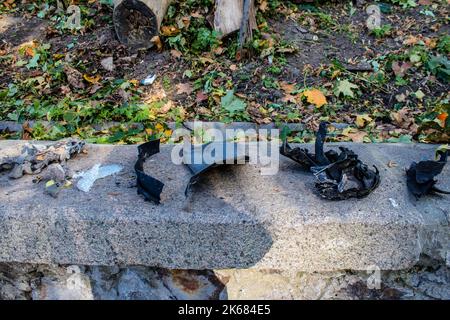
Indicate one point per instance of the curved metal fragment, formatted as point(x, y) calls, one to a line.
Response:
point(339, 176)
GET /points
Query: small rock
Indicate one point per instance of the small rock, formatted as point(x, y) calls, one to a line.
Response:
point(104, 38)
point(16, 172)
point(189, 285)
point(55, 172)
point(134, 285)
point(73, 269)
point(23, 286)
point(76, 287)
point(9, 292)
point(108, 64)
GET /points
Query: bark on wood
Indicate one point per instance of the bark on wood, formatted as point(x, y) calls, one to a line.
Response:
point(229, 14)
point(137, 21)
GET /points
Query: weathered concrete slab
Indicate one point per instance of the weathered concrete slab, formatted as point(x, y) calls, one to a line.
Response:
point(235, 218)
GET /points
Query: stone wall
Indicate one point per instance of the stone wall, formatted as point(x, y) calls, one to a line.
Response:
point(430, 279)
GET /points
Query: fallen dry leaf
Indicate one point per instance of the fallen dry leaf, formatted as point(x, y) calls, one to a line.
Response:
point(362, 120)
point(201, 96)
point(354, 134)
point(184, 88)
point(392, 164)
point(91, 79)
point(156, 40)
point(74, 77)
point(316, 97)
point(169, 31)
point(400, 68)
point(287, 87)
point(176, 54)
point(442, 118)
point(289, 98)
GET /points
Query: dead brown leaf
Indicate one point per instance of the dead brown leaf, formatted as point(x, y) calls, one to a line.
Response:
point(400, 68)
point(176, 54)
point(184, 88)
point(74, 77)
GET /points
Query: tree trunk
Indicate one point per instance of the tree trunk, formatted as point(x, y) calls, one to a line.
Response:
point(137, 21)
point(229, 14)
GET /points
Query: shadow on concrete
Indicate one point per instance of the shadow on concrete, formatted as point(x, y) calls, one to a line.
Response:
point(112, 225)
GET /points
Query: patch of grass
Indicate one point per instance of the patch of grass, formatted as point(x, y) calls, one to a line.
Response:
point(405, 3)
point(443, 45)
point(381, 32)
point(321, 20)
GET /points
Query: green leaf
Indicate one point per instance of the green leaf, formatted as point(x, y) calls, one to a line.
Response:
point(33, 63)
point(232, 104)
point(49, 183)
point(419, 94)
point(107, 2)
point(414, 58)
point(404, 138)
point(70, 117)
point(345, 88)
point(21, 63)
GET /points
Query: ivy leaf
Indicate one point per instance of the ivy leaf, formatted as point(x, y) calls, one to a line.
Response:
point(345, 88)
point(232, 104)
point(33, 63)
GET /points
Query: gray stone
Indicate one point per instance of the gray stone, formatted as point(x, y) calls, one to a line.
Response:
point(108, 64)
point(55, 172)
point(234, 218)
point(133, 285)
point(25, 281)
point(192, 285)
point(10, 292)
point(74, 287)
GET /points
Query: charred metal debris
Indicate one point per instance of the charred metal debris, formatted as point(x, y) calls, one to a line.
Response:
point(339, 176)
point(151, 188)
point(420, 176)
point(148, 186)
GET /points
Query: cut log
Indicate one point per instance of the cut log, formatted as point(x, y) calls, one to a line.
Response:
point(229, 14)
point(137, 21)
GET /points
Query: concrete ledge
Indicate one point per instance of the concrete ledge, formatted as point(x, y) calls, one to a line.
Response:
point(235, 218)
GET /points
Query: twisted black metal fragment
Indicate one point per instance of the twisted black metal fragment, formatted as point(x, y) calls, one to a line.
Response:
point(420, 176)
point(148, 186)
point(339, 176)
point(219, 153)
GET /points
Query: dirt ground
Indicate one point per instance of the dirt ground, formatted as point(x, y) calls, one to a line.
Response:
point(383, 86)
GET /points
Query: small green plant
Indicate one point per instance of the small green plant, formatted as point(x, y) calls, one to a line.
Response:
point(440, 67)
point(443, 45)
point(206, 40)
point(322, 20)
point(405, 3)
point(382, 31)
point(270, 83)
